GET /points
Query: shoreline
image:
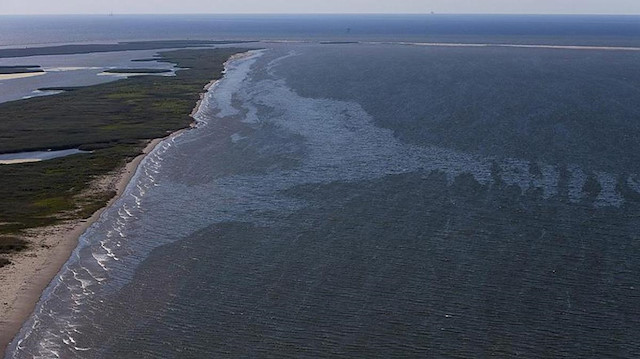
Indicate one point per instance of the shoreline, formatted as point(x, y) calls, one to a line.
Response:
point(32, 271)
point(522, 46)
point(25, 280)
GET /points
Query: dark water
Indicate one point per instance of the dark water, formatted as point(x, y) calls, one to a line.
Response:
point(594, 30)
point(373, 201)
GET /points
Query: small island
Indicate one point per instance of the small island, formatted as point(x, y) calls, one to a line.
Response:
point(146, 60)
point(137, 71)
point(338, 42)
point(20, 69)
point(64, 89)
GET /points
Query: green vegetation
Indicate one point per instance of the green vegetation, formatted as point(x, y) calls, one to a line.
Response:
point(338, 42)
point(114, 120)
point(18, 67)
point(145, 60)
point(10, 70)
point(137, 71)
point(70, 88)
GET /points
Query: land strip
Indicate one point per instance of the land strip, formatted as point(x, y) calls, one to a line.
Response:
point(47, 205)
point(9, 70)
point(121, 46)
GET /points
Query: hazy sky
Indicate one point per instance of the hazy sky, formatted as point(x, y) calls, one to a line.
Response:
point(319, 6)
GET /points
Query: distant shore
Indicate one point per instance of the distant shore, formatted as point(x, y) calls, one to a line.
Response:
point(74, 49)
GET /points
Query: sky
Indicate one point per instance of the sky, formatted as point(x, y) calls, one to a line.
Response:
point(318, 6)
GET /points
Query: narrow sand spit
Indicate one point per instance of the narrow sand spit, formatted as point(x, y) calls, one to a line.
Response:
point(15, 162)
point(524, 46)
point(20, 76)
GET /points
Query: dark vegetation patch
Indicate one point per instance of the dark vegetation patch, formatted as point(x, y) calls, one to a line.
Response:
point(68, 88)
point(12, 244)
point(337, 42)
point(19, 70)
point(137, 71)
point(4, 262)
point(18, 67)
point(114, 120)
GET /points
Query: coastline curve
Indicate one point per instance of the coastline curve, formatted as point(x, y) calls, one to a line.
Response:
point(35, 289)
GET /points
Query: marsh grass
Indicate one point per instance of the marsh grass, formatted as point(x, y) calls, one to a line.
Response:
point(12, 244)
point(114, 120)
point(137, 71)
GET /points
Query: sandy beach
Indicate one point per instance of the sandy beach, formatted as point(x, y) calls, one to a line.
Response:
point(20, 76)
point(30, 273)
point(23, 282)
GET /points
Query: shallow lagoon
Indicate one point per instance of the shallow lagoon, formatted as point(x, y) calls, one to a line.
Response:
point(73, 70)
point(36, 156)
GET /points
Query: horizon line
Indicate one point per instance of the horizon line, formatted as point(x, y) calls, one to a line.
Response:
point(319, 13)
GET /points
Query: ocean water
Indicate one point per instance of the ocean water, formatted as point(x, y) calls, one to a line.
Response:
point(18, 31)
point(374, 200)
